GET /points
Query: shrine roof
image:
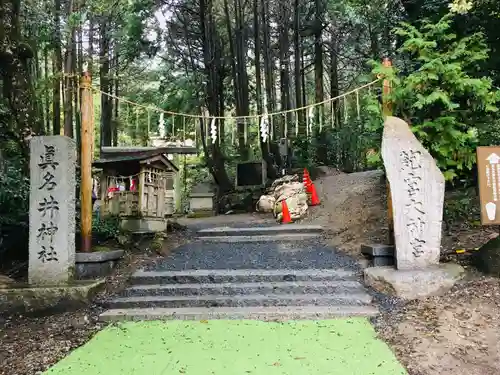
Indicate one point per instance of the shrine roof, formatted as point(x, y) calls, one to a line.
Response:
point(141, 158)
point(183, 150)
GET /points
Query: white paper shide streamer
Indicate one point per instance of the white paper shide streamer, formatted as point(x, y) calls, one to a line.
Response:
point(161, 125)
point(213, 130)
point(311, 119)
point(264, 128)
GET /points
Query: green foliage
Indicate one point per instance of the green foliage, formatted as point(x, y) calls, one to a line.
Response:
point(442, 98)
point(105, 228)
point(14, 193)
point(490, 134)
point(304, 153)
point(462, 206)
point(350, 143)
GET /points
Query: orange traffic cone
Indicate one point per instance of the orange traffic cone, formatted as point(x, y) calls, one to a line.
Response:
point(306, 174)
point(285, 219)
point(306, 180)
point(314, 196)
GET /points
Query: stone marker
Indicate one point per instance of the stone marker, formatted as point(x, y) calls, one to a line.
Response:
point(417, 190)
point(52, 210)
point(201, 199)
point(417, 187)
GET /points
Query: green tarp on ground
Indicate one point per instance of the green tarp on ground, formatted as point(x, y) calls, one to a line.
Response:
point(222, 347)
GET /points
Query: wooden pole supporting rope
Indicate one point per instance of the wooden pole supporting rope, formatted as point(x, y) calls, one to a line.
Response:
point(184, 133)
point(86, 163)
point(387, 104)
point(387, 111)
point(136, 133)
point(146, 141)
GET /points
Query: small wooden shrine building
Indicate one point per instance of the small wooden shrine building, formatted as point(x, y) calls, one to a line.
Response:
point(136, 185)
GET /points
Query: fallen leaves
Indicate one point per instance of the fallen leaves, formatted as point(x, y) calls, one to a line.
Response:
point(448, 334)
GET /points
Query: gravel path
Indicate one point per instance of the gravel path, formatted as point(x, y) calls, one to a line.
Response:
point(255, 255)
point(316, 253)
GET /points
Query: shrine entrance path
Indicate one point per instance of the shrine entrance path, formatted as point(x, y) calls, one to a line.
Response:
point(221, 347)
point(206, 344)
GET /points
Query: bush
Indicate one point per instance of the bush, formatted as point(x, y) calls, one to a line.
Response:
point(105, 228)
point(14, 194)
point(14, 210)
point(351, 143)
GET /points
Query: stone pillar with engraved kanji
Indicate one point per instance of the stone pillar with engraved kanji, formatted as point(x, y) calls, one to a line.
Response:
point(52, 210)
point(417, 189)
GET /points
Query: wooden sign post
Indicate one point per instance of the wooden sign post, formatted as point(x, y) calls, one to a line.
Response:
point(387, 111)
point(488, 169)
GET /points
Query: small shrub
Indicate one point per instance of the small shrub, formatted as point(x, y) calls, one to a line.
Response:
point(462, 207)
point(304, 153)
point(14, 208)
point(14, 193)
point(105, 228)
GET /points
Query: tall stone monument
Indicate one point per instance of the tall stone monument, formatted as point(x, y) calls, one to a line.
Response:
point(417, 187)
point(417, 191)
point(52, 210)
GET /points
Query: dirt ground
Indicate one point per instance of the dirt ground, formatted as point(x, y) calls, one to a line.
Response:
point(30, 344)
point(454, 334)
point(352, 209)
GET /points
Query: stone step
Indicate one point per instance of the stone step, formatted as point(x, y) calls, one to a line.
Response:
point(261, 238)
point(231, 289)
point(360, 298)
point(280, 313)
point(261, 231)
point(239, 276)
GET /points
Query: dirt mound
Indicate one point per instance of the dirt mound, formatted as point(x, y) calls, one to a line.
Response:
point(353, 208)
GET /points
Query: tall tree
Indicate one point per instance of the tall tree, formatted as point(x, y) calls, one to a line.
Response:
point(238, 41)
point(16, 76)
point(318, 58)
point(105, 81)
point(284, 57)
point(298, 68)
point(69, 72)
point(57, 69)
point(215, 74)
point(264, 146)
